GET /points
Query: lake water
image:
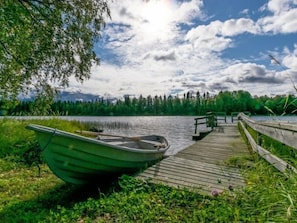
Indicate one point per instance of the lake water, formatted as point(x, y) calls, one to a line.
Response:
point(289, 118)
point(177, 129)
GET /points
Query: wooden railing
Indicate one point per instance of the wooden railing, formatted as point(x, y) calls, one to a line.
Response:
point(210, 120)
point(234, 115)
point(221, 116)
point(285, 133)
point(199, 121)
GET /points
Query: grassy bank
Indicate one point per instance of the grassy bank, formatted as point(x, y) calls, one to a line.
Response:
point(277, 148)
point(30, 195)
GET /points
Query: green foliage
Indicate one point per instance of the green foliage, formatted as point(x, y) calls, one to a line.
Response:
point(282, 151)
point(12, 140)
point(15, 140)
point(236, 101)
point(278, 149)
point(268, 196)
point(44, 42)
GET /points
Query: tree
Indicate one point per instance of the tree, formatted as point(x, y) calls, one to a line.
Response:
point(44, 43)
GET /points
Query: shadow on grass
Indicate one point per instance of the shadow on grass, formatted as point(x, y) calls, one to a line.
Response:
point(65, 195)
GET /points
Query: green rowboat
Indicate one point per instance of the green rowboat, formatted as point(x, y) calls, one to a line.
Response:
point(80, 160)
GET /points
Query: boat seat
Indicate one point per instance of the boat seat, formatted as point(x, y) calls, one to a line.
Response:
point(138, 144)
point(148, 144)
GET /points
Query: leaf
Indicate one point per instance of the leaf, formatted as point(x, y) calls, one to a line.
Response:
point(268, 109)
point(47, 42)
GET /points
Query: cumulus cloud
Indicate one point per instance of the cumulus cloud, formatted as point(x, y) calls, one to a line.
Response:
point(186, 11)
point(219, 86)
point(165, 57)
point(168, 47)
point(216, 36)
point(279, 6)
point(249, 73)
point(207, 38)
point(290, 59)
point(283, 18)
point(234, 27)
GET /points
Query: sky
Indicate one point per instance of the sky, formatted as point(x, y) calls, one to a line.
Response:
point(171, 47)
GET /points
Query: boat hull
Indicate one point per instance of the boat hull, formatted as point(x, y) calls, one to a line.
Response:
point(79, 160)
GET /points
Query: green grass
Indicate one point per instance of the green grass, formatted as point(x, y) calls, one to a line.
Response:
point(269, 196)
point(279, 149)
point(15, 139)
point(285, 152)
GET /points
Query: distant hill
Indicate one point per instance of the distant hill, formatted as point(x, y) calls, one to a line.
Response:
point(77, 96)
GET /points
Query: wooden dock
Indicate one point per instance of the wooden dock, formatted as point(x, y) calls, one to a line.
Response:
point(201, 166)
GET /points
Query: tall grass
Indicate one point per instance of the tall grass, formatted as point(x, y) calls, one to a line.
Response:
point(15, 139)
point(277, 148)
point(268, 196)
point(102, 125)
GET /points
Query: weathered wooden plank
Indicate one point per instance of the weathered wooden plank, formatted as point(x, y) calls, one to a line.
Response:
point(283, 132)
point(219, 183)
point(217, 147)
point(197, 166)
point(215, 160)
point(281, 125)
point(201, 165)
point(206, 170)
point(214, 151)
point(205, 177)
point(177, 184)
point(278, 163)
point(195, 182)
point(227, 147)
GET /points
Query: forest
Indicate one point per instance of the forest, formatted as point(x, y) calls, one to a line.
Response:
point(188, 104)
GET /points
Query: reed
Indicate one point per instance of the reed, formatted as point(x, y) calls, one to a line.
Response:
point(282, 151)
point(102, 125)
point(269, 196)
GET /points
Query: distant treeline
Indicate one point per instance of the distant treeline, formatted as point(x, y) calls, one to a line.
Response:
point(189, 104)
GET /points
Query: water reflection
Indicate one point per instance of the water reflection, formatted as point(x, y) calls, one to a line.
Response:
point(289, 118)
point(177, 129)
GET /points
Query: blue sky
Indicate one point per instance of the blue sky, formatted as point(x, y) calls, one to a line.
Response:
point(157, 47)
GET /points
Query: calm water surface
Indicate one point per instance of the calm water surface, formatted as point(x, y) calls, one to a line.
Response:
point(177, 129)
point(289, 118)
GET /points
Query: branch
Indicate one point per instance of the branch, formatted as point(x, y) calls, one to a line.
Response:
point(9, 53)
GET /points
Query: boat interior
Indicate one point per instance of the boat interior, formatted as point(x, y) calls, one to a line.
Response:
point(134, 143)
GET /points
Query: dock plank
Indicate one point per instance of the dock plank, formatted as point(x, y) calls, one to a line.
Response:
point(201, 166)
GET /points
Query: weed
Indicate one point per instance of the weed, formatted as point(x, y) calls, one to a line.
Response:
point(268, 196)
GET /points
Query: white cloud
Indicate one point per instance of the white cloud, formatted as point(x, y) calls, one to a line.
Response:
point(154, 21)
point(279, 6)
point(234, 27)
point(206, 38)
point(217, 35)
point(229, 28)
point(249, 73)
point(245, 11)
point(157, 56)
point(283, 19)
point(283, 23)
point(290, 60)
point(186, 11)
